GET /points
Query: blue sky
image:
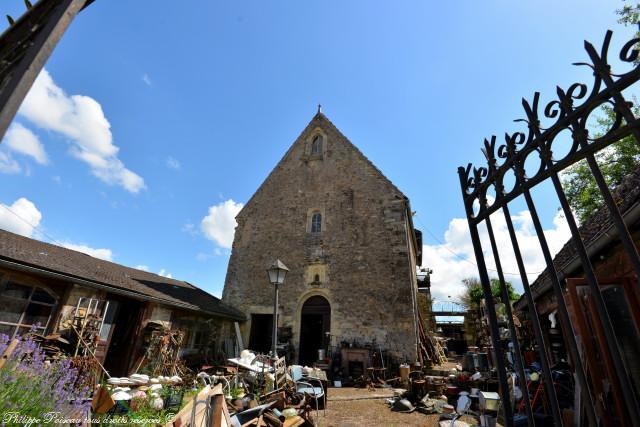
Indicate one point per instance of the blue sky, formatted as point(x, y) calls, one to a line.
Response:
point(203, 98)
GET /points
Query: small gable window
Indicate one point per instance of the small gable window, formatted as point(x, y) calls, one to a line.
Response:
point(316, 145)
point(316, 223)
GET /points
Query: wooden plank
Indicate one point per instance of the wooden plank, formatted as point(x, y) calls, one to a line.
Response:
point(220, 413)
point(294, 421)
point(239, 336)
point(183, 418)
point(216, 410)
point(10, 348)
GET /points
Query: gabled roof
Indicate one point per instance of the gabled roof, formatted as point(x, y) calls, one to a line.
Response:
point(43, 258)
point(321, 121)
point(626, 196)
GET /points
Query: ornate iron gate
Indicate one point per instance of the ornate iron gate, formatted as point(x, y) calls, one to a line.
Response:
point(569, 111)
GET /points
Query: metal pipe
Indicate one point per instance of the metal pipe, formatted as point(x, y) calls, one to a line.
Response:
point(274, 346)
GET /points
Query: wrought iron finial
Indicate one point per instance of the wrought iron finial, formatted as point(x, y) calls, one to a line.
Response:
point(569, 110)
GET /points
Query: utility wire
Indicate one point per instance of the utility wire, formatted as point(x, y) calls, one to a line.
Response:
point(424, 227)
point(35, 227)
point(444, 245)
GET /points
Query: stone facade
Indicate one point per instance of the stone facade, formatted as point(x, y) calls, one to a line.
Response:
point(363, 261)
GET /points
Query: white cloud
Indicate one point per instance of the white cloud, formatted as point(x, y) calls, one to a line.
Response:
point(146, 79)
point(190, 228)
point(173, 163)
point(142, 267)
point(22, 217)
point(8, 165)
point(81, 119)
point(101, 253)
point(454, 260)
point(21, 140)
point(219, 225)
point(165, 273)
point(201, 256)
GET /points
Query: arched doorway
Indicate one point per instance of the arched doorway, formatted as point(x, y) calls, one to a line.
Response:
point(315, 322)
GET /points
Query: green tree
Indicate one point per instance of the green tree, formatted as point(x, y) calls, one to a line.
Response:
point(474, 293)
point(616, 161)
point(629, 15)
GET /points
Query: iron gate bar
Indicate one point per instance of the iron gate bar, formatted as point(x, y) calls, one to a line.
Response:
point(550, 391)
point(478, 181)
point(581, 136)
point(536, 141)
point(562, 309)
point(493, 324)
point(514, 337)
point(474, 176)
point(603, 70)
point(616, 217)
point(628, 393)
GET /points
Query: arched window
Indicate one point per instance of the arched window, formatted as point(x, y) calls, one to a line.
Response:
point(316, 145)
point(316, 278)
point(25, 306)
point(316, 223)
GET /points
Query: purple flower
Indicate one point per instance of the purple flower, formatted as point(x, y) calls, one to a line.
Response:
point(30, 384)
point(4, 342)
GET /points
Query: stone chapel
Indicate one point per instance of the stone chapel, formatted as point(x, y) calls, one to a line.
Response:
point(346, 234)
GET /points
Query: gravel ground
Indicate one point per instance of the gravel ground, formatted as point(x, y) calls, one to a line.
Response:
point(365, 408)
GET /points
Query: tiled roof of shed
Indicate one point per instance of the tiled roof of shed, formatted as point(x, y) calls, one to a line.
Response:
point(626, 194)
point(143, 284)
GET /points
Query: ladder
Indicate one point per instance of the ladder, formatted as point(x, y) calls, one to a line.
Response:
point(88, 319)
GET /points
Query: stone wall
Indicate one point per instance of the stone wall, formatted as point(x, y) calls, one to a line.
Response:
point(364, 257)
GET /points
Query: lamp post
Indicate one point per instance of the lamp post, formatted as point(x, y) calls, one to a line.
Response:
point(277, 273)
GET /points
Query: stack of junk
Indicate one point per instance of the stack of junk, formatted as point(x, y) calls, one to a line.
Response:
point(252, 390)
point(466, 395)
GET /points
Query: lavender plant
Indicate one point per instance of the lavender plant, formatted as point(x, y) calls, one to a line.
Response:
point(31, 386)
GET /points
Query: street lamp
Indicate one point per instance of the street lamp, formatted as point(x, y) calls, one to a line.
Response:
point(277, 273)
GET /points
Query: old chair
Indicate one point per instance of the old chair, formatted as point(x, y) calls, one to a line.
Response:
point(309, 386)
point(280, 373)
